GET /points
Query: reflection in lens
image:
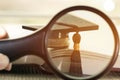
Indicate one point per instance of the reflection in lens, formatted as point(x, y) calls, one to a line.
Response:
point(80, 44)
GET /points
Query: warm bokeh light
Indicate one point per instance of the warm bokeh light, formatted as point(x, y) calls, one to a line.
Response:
point(109, 5)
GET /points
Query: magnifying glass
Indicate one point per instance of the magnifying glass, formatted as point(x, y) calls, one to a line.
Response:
point(79, 43)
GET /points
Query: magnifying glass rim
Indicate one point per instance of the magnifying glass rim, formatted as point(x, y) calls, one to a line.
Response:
point(109, 22)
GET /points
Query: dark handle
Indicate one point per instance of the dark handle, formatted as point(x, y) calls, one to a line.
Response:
point(16, 48)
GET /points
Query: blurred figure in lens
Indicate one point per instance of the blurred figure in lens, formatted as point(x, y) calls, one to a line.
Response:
point(4, 60)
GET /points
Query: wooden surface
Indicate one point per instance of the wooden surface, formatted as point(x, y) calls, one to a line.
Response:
point(34, 73)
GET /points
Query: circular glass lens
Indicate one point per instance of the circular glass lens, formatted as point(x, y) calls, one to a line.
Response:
point(80, 44)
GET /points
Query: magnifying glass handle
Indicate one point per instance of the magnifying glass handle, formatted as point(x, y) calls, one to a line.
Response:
point(16, 48)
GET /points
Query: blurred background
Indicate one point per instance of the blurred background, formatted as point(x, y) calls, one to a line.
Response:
point(43, 10)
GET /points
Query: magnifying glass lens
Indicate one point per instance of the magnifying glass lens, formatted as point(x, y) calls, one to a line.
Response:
point(80, 44)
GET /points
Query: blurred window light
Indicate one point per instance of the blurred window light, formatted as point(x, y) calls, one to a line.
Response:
point(109, 5)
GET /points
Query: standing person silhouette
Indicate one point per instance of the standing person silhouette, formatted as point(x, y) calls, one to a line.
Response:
point(4, 60)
